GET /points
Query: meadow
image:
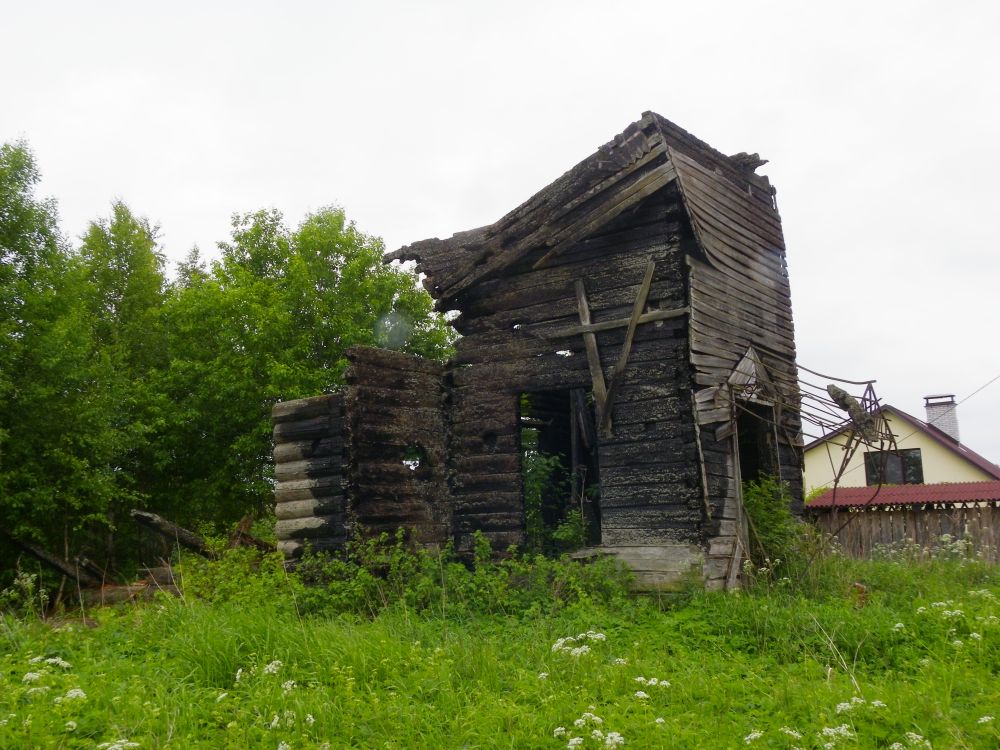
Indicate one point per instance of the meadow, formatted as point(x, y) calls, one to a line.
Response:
point(411, 650)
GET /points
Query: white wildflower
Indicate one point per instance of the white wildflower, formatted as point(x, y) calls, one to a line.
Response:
point(597, 734)
point(839, 731)
point(55, 661)
point(36, 660)
point(37, 690)
point(579, 722)
point(952, 613)
point(957, 643)
point(31, 677)
point(920, 611)
point(877, 704)
point(75, 694)
point(559, 732)
point(275, 721)
point(580, 650)
point(641, 680)
point(843, 707)
point(619, 662)
point(755, 735)
point(543, 675)
point(288, 686)
point(794, 734)
point(284, 746)
point(641, 695)
point(857, 700)
point(975, 636)
point(71, 726)
point(273, 667)
point(653, 682)
point(310, 719)
point(121, 744)
point(985, 719)
point(574, 742)
point(899, 626)
point(660, 720)
point(239, 674)
point(897, 746)
point(596, 636)
point(289, 718)
point(220, 697)
point(614, 739)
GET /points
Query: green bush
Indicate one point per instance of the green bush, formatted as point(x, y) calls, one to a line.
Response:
point(384, 573)
point(777, 537)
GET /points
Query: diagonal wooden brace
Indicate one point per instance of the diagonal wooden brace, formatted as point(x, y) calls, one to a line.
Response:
point(633, 323)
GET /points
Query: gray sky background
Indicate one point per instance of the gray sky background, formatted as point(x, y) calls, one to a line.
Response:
point(881, 121)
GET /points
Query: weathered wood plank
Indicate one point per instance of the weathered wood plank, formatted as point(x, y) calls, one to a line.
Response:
point(306, 429)
point(305, 489)
point(304, 408)
point(303, 449)
point(309, 468)
point(316, 506)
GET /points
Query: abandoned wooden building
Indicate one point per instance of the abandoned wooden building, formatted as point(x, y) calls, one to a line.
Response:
point(635, 313)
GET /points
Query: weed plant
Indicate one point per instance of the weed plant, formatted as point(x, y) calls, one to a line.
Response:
point(399, 649)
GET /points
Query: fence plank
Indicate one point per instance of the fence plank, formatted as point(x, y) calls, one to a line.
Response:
point(874, 527)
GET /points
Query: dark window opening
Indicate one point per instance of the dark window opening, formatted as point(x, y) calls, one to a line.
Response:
point(755, 436)
point(894, 467)
point(559, 470)
point(415, 459)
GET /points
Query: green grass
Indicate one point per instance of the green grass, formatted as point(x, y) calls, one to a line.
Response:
point(428, 654)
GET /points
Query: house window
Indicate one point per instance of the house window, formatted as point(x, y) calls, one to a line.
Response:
point(894, 467)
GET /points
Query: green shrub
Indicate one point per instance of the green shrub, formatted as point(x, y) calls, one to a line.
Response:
point(777, 537)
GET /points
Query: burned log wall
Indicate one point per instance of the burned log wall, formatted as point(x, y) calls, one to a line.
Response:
point(514, 342)
point(310, 474)
point(397, 469)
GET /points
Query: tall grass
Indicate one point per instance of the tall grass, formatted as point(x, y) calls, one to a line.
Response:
point(395, 649)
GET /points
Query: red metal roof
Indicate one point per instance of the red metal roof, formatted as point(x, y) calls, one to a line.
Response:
point(910, 494)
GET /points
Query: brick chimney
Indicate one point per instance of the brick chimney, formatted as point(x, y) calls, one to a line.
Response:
point(941, 413)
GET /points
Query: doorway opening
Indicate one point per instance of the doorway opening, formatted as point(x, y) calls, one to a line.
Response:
point(559, 470)
point(755, 438)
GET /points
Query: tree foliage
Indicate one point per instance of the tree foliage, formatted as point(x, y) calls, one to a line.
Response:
point(121, 389)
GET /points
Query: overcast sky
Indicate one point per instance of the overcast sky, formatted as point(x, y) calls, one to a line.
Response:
point(881, 121)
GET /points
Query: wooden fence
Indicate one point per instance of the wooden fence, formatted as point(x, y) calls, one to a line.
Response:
point(872, 528)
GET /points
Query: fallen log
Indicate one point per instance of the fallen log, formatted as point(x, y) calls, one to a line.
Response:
point(72, 570)
point(174, 533)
